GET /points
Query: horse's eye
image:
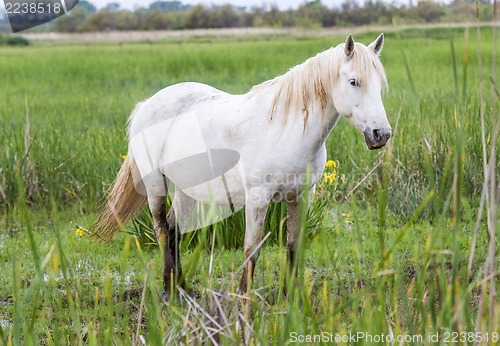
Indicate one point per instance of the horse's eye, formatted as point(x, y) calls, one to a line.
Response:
point(353, 82)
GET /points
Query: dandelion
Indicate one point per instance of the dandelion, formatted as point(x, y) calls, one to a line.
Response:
point(124, 157)
point(330, 178)
point(79, 232)
point(330, 164)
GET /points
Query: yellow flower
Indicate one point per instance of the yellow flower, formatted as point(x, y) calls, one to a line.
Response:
point(124, 157)
point(330, 178)
point(331, 163)
point(346, 214)
point(79, 232)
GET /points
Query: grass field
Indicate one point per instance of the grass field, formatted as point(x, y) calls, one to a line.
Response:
point(390, 258)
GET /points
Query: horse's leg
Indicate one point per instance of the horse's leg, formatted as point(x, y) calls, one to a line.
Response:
point(181, 211)
point(292, 216)
point(255, 214)
point(174, 237)
point(158, 207)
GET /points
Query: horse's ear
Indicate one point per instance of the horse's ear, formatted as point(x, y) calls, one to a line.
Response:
point(349, 46)
point(377, 44)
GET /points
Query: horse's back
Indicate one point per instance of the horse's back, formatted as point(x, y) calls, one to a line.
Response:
point(173, 101)
point(172, 133)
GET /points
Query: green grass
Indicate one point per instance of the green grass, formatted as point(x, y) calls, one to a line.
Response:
point(397, 263)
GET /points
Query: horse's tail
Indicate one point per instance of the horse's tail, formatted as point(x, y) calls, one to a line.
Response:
point(122, 202)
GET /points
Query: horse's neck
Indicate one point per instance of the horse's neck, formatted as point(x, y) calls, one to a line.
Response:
point(300, 100)
point(310, 126)
point(319, 127)
point(307, 137)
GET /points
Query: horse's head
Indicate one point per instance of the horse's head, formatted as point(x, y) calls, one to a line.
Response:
point(358, 94)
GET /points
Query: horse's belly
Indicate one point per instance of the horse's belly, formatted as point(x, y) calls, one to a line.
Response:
point(215, 176)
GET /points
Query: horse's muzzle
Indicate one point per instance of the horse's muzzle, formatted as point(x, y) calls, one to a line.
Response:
point(377, 138)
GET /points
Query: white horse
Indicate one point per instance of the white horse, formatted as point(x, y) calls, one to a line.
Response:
point(243, 150)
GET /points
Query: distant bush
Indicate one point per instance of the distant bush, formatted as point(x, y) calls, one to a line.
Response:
point(13, 41)
point(174, 15)
point(17, 41)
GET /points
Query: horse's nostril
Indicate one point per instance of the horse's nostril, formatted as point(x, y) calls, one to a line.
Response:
point(376, 135)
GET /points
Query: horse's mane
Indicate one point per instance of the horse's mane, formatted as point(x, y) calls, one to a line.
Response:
point(309, 84)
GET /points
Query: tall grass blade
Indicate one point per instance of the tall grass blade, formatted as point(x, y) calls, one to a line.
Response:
point(454, 65)
point(458, 171)
point(465, 63)
point(409, 74)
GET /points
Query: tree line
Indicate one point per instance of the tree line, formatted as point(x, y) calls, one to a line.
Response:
point(173, 15)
